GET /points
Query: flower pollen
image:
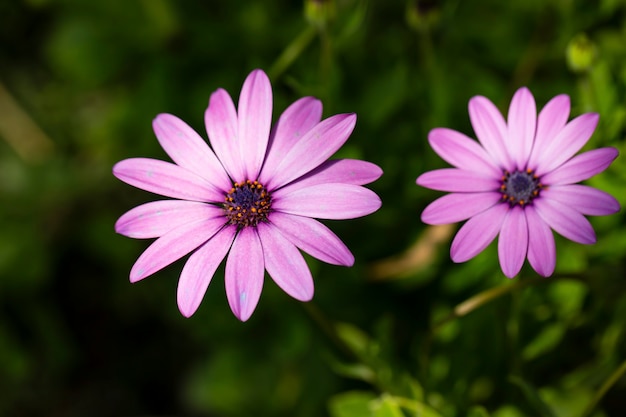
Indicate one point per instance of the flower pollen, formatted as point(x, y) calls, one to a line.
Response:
point(520, 187)
point(247, 204)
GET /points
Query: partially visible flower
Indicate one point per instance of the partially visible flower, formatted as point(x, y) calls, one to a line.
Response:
point(251, 198)
point(518, 182)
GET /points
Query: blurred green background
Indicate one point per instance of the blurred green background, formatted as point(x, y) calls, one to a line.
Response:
point(81, 81)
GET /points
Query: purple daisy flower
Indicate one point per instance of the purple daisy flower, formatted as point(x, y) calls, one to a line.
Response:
point(519, 182)
point(251, 198)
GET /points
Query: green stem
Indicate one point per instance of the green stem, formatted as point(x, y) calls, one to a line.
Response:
point(472, 304)
point(477, 301)
point(292, 52)
point(326, 62)
point(328, 328)
point(615, 376)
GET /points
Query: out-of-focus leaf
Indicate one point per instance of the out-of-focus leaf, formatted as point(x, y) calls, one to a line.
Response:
point(533, 397)
point(547, 339)
point(567, 401)
point(351, 404)
point(508, 411)
point(386, 407)
point(355, 370)
point(568, 297)
point(478, 411)
point(354, 338)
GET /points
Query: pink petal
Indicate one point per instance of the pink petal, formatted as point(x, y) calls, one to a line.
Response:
point(541, 247)
point(313, 238)
point(551, 120)
point(522, 122)
point(174, 245)
point(327, 201)
point(568, 141)
point(166, 179)
point(285, 264)
point(295, 121)
point(491, 130)
point(477, 233)
point(199, 269)
point(458, 180)
point(565, 220)
point(220, 119)
point(452, 208)
point(315, 147)
point(189, 150)
point(244, 273)
point(156, 218)
point(581, 167)
point(513, 242)
point(255, 120)
point(461, 151)
point(344, 171)
point(584, 199)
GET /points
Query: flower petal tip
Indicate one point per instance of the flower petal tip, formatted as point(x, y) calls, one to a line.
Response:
point(243, 315)
point(186, 312)
point(349, 262)
point(136, 276)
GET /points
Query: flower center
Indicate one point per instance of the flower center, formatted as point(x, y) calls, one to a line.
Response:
point(247, 204)
point(520, 187)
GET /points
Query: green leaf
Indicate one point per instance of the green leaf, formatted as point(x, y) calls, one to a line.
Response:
point(356, 339)
point(477, 411)
point(532, 396)
point(351, 404)
point(546, 340)
point(387, 407)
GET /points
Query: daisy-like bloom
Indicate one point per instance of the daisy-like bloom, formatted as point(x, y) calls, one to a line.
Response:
point(250, 198)
point(519, 181)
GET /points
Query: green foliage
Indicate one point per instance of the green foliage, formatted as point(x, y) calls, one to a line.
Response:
point(405, 332)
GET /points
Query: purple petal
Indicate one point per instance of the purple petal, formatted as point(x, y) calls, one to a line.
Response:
point(166, 179)
point(565, 220)
point(174, 245)
point(244, 273)
point(295, 121)
point(255, 120)
point(551, 120)
point(199, 269)
point(491, 130)
point(189, 150)
point(452, 208)
point(156, 218)
point(344, 171)
point(313, 238)
point(522, 122)
point(513, 242)
point(285, 264)
point(567, 142)
point(477, 233)
point(327, 201)
point(460, 151)
point(220, 119)
point(584, 199)
point(581, 167)
point(315, 147)
point(541, 247)
point(458, 180)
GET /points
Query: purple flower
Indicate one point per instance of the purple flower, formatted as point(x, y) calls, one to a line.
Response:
point(251, 198)
point(519, 182)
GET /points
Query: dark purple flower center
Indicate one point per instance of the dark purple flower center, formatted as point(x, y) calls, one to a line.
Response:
point(247, 204)
point(520, 187)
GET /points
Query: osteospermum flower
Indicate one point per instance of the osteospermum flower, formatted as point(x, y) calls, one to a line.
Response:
point(518, 182)
point(251, 197)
